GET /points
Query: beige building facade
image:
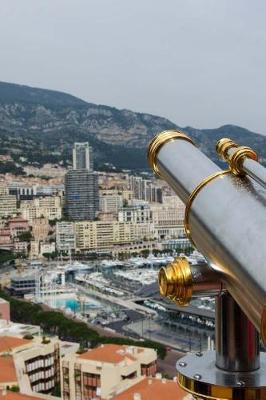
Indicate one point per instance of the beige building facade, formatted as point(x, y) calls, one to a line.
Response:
point(8, 205)
point(101, 235)
point(103, 372)
point(33, 365)
point(110, 203)
point(168, 218)
point(40, 228)
point(65, 236)
point(49, 207)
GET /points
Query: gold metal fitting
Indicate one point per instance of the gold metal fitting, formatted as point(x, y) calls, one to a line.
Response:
point(194, 194)
point(158, 141)
point(204, 391)
point(222, 147)
point(175, 281)
point(236, 161)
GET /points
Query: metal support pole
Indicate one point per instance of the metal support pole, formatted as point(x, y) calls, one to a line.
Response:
point(236, 370)
point(237, 341)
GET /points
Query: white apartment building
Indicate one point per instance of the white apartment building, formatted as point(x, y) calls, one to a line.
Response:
point(136, 214)
point(168, 218)
point(174, 201)
point(110, 203)
point(65, 236)
point(29, 211)
point(34, 364)
point(8, 205)
point(101, 235)
point(49, 207)
point(144, 189)
point(47, 248)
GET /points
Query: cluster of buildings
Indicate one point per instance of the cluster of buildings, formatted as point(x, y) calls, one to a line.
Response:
point(37, 367)
point(138, 225)
point(90, 212)
point(135, 226)
point(82, 212)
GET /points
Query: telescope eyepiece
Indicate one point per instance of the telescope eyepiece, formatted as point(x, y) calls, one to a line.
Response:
point(175, 281)
point(180, 281)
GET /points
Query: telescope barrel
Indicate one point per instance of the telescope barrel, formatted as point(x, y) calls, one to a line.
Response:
point(226, 217)
point(255, 171)
point(164, 155)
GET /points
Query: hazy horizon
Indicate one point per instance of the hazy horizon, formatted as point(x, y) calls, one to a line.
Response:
point(198, 63)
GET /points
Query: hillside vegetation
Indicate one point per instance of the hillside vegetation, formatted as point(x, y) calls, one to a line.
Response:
point(42, 125)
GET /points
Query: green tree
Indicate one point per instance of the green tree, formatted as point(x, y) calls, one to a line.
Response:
point(14, 388)
point(56, 323)
point(25, 236)
point(6, 255)
point(145, 253)
point(51, 256)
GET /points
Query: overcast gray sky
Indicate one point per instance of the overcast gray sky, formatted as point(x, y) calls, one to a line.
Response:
point(198, 62)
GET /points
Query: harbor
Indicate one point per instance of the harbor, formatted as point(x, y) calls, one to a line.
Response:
point(120, 296)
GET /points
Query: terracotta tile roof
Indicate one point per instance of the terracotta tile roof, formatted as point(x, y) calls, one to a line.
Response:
point(8, 370)
point(16, 396)
point(10, 342)
point(109, 353)
point(155, 389)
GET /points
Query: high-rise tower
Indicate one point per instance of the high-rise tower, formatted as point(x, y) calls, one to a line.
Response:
point(81, 195)
point(82, 156)
point(81, 186)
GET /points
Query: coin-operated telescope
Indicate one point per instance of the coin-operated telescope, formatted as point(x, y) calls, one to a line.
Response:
point(225, 218)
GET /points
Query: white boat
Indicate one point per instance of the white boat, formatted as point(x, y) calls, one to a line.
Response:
point(77, 266)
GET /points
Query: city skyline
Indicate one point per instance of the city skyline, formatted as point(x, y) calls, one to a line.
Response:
point(194, 62)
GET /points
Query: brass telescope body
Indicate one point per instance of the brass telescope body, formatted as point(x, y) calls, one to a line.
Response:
point(225, 218)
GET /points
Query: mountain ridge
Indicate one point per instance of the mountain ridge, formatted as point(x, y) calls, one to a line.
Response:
point(51, 121)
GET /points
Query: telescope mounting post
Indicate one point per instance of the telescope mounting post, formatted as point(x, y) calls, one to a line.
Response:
point(237, 341)
point(237, 369)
